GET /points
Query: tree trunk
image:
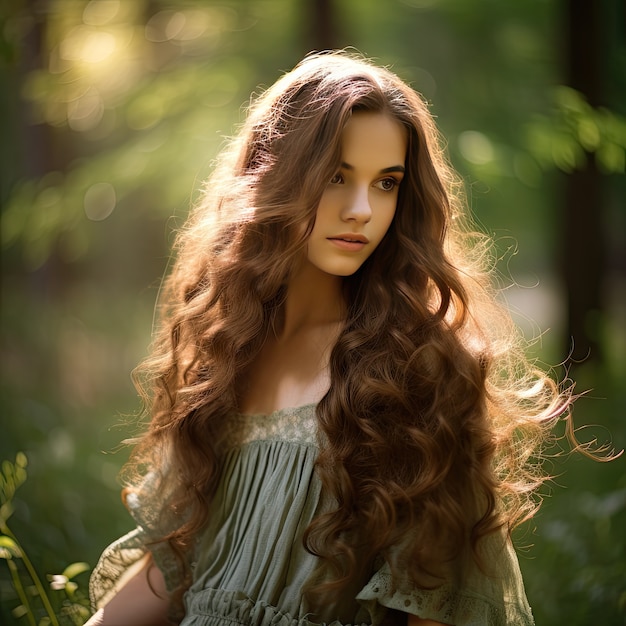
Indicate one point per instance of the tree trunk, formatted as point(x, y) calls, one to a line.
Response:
point(584, 257)
point(323, 27)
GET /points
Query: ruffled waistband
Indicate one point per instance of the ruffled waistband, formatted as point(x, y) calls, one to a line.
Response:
point(218, 607)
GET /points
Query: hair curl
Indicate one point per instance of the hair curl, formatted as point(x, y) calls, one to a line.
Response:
point(434, 419)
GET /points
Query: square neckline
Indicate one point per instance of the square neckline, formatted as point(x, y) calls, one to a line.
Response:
point(278, 412)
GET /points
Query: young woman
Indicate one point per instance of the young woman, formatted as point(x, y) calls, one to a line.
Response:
point(342, 417)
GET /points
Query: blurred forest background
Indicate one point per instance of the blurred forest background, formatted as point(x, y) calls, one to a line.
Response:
point(111, 113)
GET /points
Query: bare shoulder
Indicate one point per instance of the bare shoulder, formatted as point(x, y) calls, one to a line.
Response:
point(142, 601)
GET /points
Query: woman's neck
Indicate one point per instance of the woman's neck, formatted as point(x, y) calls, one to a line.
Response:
point(314, 298)
point(292, 367)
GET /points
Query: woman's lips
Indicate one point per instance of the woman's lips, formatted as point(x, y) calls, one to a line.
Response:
point(352, 243)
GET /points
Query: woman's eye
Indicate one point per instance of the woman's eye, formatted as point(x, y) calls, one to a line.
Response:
point(387, 184)
point(336, 179)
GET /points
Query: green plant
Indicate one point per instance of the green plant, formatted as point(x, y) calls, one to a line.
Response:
point(66, 604)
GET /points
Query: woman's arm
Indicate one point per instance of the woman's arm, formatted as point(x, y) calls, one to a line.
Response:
point(142, 601)
point(413, 620)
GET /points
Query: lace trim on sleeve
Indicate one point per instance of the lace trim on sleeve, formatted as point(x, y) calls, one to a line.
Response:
point(122, 559)
point(118, 563)
point(444, 604)
point(498, 599)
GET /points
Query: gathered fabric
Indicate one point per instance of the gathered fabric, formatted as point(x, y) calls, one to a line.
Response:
point(250, 566)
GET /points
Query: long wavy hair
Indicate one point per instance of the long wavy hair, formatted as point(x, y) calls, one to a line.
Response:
point(432, 429)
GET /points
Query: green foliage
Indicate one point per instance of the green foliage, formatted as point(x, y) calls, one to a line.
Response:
point(573, 128)
point(120, 95)
point(576, 571)
point(114, 112)
point(13, 475)
point(36, 604)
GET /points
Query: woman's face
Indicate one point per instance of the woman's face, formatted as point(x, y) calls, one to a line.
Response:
point(359, 202)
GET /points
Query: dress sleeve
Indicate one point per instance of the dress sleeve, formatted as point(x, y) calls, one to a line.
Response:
point(474, 598)
point(122, 559)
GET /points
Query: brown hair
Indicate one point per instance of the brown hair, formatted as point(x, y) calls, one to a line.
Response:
point(433, 414)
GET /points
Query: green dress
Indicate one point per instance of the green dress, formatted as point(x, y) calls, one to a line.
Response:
point(250, 565)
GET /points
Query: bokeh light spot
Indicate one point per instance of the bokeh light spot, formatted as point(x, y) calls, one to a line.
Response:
point(100, 200)
point(98, 47)
point(49, 197)
point(88, 45)
point(175, 25)
point(99, 12)
point(85, 113)
point(196, 24)
point(475, 147)
point(155, 29)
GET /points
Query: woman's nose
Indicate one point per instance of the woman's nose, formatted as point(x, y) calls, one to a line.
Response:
point(358, 207)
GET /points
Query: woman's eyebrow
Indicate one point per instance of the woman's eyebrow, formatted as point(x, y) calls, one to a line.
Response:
point(385, 170)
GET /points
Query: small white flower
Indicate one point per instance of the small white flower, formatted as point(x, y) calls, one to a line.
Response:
point(58, 581)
